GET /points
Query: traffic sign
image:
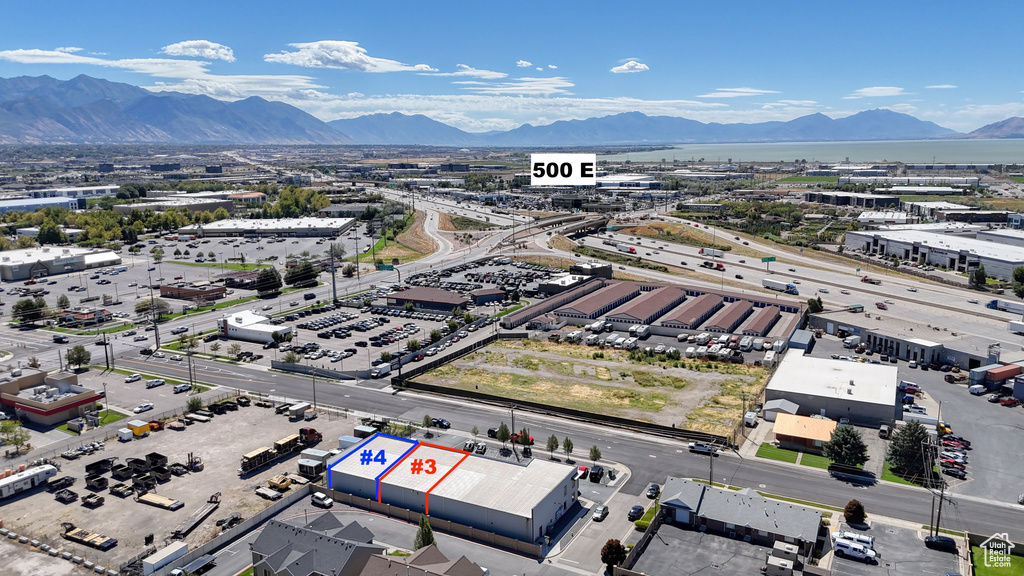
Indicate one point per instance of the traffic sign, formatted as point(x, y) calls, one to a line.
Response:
point(768, 259)
point(386, 267)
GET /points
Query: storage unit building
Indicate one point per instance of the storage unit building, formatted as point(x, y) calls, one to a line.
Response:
point(649, 307)
point(694, 313)
point(762, 322)
point(597, 303)
point(727, 321)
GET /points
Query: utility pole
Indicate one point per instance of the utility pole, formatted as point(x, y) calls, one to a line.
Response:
point(334, 279)
point(512, 409)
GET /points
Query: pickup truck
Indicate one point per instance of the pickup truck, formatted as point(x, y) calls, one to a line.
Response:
point(703, 448)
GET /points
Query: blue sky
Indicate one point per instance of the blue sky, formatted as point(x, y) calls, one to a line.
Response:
point(487, 65)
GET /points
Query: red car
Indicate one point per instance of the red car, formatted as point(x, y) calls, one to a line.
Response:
point(178, 277)
point(881, 306)
point(417, 358)
point(1010, 402)
point(515, 439)
point(945, 462)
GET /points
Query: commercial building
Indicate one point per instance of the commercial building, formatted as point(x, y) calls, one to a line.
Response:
point(649, 307)
point(873, 218)
point(613, 295)
point(519, 501)
point(486, 296)
point(973, 215)
point(46, 261)
point(33, 204)
point(802, 433)
point(250, 327)
point(739, 514)
point(854, 199)
point(428, 299)
point(71, 234)
point(196, 292)
point(940, 250)
point(45, 399)
point(929, 209)
point(248, 197)
point(162, 204)
point(592, 269)
point(82, 317)
point(1004, 236)
point(297, 227)
point(559, 283)
point(79, 192)
point(912, 181)
point(864, 393)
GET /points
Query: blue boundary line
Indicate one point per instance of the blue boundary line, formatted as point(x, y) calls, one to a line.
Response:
point(352, 450)
point(415, 444)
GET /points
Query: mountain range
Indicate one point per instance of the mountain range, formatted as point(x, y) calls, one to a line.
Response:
point(44, 110)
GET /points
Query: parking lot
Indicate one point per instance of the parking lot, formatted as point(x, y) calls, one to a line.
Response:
point(990, 427)
point(900, 550)
point(220, 443)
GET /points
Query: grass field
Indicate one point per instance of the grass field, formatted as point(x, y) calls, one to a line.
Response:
point(462, 224)
point(815, 461)
point(808, 179)
point(775, 453)
point(890, 476)
point(108, 417)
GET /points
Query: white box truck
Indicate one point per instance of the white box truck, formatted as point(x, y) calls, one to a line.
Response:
point(163, 557)
point(610, 340)
point(643, 331)
point(1015, 327)
point(851, 342)
point(711, 252)
point(381, 371)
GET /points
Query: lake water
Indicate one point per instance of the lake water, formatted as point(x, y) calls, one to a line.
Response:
point(916, 151)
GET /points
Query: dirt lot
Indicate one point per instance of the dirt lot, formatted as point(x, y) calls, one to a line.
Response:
point(416, 238)
point(220, 443)
point(696, 395)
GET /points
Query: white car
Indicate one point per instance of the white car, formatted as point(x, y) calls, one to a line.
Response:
point(177, 358)
point(911, 289)
point(268, 307)
point(844, 291)
point(823, 290)
point(141, 338)
point(143, 407)
point(158, 354)
point(133, 284)
point(322, 500)
point(972, 301)
point(133, 378)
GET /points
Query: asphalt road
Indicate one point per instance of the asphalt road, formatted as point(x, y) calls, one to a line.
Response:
point(651, 459)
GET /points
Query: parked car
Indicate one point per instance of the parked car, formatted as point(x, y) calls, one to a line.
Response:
point(600, 513)
point(944, 543)
point(635, 513)
point(654, 491)
point(143, 407)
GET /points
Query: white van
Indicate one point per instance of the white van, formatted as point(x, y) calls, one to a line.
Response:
point(853, 550)
point(977, 389)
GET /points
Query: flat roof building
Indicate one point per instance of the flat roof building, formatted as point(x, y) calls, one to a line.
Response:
point(33, 204)
point(941, 250)
point(46, 399)
point(250, 327)
point(36, 262)
point(297, 227)
point(510, 499)
point(864, 393)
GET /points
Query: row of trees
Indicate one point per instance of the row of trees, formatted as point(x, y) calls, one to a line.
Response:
point(905, 454)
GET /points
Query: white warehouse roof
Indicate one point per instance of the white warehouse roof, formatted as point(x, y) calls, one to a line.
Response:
point(840, 379)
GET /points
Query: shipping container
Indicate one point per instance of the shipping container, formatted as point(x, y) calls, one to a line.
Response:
point(1002, 373)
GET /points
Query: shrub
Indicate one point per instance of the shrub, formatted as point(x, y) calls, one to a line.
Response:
point(854, 512)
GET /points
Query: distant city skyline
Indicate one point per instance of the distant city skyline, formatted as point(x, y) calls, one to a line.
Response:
point(485, 66)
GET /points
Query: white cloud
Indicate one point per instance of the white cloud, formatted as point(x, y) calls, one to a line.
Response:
point(942, 87)
point(552, 66)
point(736, 92)
point(540, 69)
point(465, 70)
point(523, 86)
point(342, 55)
point(630, 67)
point(524, 64)
point(876, 92)
point(68, 49)
point(164, 67)
point(200, 49)
point(802, 103)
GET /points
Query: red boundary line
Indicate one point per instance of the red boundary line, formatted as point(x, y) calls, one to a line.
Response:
point(426, 496)
point(395, 465)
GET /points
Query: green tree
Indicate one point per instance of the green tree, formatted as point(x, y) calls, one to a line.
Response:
point(612, 554)
point(814, 305)
point(63, 302)
point(595, 454)
point(215, 347)
point(348, 270)
point(158, 254)
point(221, 214)
point(338, 250)
point(11, 432)
point(435, 335)
point(854, 512)
point(409, 306)
point(413, 345)
point(268, 281)
point(194, 403)
point(424, 534)
point(552, 445)
point(846, 446)
point(1018, 274)
point(386, 356)
point(427, 423)
point(979, 278)
point(1018, 289)
point(567, 447)
point(290, 357)
point(29, 310)
point(50, 233)
point(474, 431)
point(453, 326)
point(177, 252)
point(503, 434)
point(234, 349)
point(304, 274)
point(157, 305)
point(25, 242)
point(78, 355)
point(904, 453)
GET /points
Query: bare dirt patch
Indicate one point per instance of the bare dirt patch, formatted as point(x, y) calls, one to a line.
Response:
point(702, 396)
point(415, 238)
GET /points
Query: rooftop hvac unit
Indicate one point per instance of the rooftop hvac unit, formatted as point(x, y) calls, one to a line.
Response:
point(6, 259)
point(46, 249)
point(67, 251)
point(39, 390)
point(16, 372)
point(52, 391)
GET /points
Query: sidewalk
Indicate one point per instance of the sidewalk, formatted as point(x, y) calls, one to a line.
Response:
point(755, 437)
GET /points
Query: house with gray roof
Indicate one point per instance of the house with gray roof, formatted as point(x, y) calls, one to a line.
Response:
point(427, 561)
point(285, 550)
point(739, 514)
